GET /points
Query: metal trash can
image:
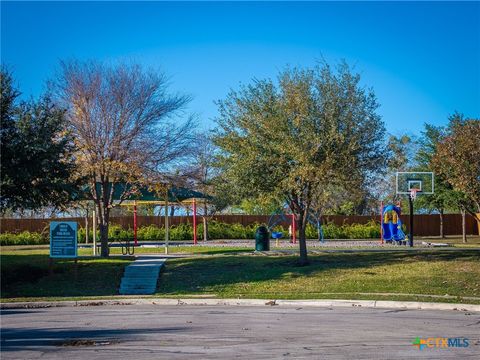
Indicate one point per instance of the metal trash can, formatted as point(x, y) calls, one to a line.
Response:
point(262, 239)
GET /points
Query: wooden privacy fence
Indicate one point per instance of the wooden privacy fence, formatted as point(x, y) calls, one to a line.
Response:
point(424, 225)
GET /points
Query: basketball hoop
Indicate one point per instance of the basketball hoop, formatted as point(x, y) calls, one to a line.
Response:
point(413, 194)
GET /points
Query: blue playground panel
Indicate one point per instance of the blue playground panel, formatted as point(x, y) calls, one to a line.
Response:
point(277, 235)
point(392, 228)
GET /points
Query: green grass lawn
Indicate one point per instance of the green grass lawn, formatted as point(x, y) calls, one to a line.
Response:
point(234, 273)
point(201, 249)
point(335, 275)
point(25, 274)
point(456, 241)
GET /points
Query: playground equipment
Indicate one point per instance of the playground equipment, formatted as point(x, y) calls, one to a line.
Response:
point(277, 217)
point(412, 184)
point(171, 196)
point(166, 202)
point(392, 224)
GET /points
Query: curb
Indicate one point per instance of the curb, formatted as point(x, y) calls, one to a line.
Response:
point(380, 304)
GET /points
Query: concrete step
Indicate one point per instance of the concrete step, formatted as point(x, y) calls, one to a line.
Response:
point(135, 283)
point(143, 270)
point(138, 287)
point(141, 277)
point(149, 290)
point(139, 281)
point(136, 292)
point(144, 267)
point(140, 274)
point(131, 285)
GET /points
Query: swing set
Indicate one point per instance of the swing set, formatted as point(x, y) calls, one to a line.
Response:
point(277, 217)
point(173, 196)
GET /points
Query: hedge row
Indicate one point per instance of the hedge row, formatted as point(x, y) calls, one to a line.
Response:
point(216, 230)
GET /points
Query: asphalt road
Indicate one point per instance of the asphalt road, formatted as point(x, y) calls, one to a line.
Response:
point(228, 332)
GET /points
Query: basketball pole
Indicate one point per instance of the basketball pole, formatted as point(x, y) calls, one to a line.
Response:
point(410, 204)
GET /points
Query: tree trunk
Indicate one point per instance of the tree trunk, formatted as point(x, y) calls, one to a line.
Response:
point(442, 235)
point(205, 222)
point(172, 211)
point(319, 230)
point(205, 228)
point(104, 218)
point(302, 238)
point(464, 227)
point(477, 218)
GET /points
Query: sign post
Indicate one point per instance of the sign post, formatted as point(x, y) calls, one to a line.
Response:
point(63, 243)
point(63, 239)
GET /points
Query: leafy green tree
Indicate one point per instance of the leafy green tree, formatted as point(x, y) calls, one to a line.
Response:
point(8, 139)
point(457, 160)
point(403, 149)
point(36, 152)
point(311, 129)
point(401, 154)
point(260, 206)
point(445, 197)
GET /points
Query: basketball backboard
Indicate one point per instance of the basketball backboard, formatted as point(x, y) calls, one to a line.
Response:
point(422, 181)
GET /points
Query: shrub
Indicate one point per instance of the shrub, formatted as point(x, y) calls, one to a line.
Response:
point(23, 238)
point(181, 232)
point(150, 232)
point(369, 230)
point(216, 230)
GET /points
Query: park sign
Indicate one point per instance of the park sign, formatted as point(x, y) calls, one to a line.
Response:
point(63, 239)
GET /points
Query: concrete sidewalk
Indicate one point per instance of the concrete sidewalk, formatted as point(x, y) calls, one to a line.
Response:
point(408, 305)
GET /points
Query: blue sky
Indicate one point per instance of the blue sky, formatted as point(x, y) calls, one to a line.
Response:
point(422, 59)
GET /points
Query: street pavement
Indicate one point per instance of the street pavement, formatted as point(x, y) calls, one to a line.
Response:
point(232, 332)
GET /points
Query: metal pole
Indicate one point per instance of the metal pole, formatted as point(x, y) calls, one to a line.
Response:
point(410, 203)
point(294, 229)
point(194, 222)
point(166, 225)
point(86, 226)
point(94, 226)
point(381, 222)
point(135, 223)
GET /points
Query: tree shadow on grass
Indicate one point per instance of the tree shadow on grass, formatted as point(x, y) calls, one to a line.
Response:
point(207, 275)
point(221, 251)
point(29, 276)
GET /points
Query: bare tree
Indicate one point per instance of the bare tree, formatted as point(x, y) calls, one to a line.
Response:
point(205, 176)
point(333, 198)
point(121, 117)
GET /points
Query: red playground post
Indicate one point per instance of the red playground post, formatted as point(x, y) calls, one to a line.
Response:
point(135, 223)
point(294, 229)
point(194, 222)
point(381, 219)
